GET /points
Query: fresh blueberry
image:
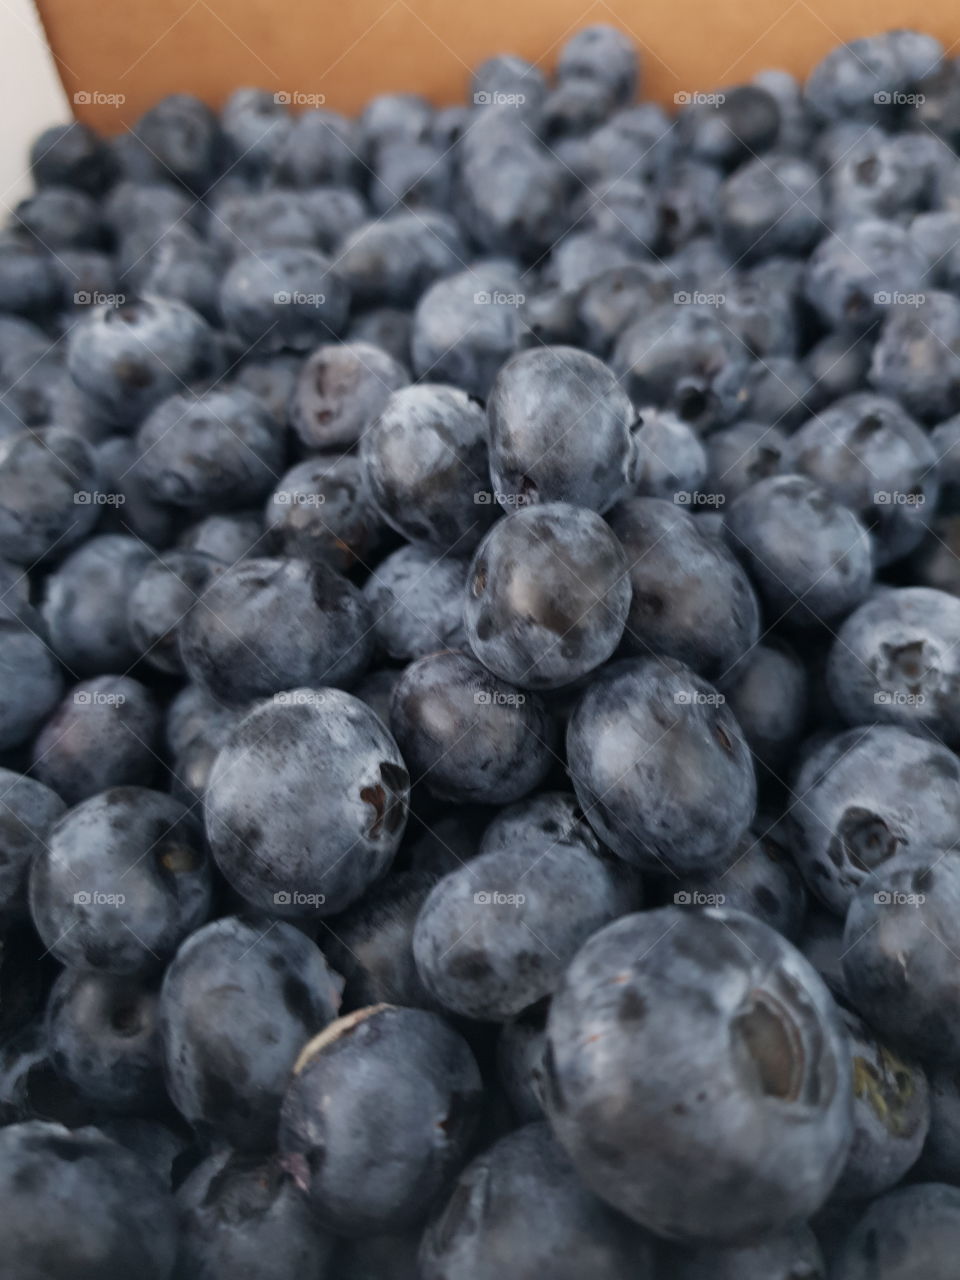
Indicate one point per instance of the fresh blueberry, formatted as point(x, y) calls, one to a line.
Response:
point(104, 1039)
point(164, 593)
point(466, 734)
point(859, 79)
point(740, 123)
point(912, 1231)
point(495, 936)
point(416, 601)
point(548, 595)
point(388, 328)
point(321, 147)
point(548, 818)
point(913, 360)
point(123, 879)
point(378, 1115)
point(71, 155)
point(772, 519)
point(660, 767)
point(76, 1204)
point(132, 508)
point(320, 512)
point(285, 844)
point(771, 204)
point(264, 625)
point(340, 391)
point(425, 463)
point(60, 218)
point(183, 135)
point(32, 682)
point(466, 325)
point(226, 537)
point(852, 276)
point(792, 1254)
point(256, 125)
point(30, 281)
point(284, 299)
point(560, 430)
point(867, 795)
point(739, 456)
point(28, 811)
point(47, 482)
point(520, 1049)
point(769, 693)
point(894, 661)
point(392, 260)
point(762, 880)
point(519, 1208)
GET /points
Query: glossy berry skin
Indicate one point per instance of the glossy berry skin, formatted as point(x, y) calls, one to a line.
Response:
point(105, 733)
point(377, 1117)
point(715, 620)
point(895, 661)
point(320, 511)
point(242, 1216)
point(752, 1080)
point(762, 880)
point(771, 204)
point(75, 1203)
point(41, 472)
point(900, 928)
point(519, 1208)
point(671, 462)
point(286, 845)
point(285, 299)
point(462, 333)
point(641, 727)
point(771, 520)
point(32, 686)
point(912, 1231)
point(371, 943)
point(340, 390)
point(130, 357)
point(221, 449)
point(866, 796)
point(166, 590)
point(103, 1037)
point(467, 735)
point(425, 462)
point(495, 935)
point(914, 359)
point(891, 1115)
point(792, 1254)
point(416, 601)
point(850, 270)
point(238, 1002)
point(548, 595)
point(560, 430)
point(85, 604)
point(28, 811)
point(125, 877)
point(264, 625)
point(872, 457)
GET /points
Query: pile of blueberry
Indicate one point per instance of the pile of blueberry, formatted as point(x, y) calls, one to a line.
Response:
point(480, 684)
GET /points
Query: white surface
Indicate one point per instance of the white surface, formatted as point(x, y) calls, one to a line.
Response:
point(31, 95)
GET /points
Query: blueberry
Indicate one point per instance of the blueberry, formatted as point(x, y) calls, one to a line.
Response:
point(689, 195)
point(60, 218)
point(767, 524)
point(425, 463)
point(152, 208)
point(226, 537)
point(771, 205)
point(371, 944)
point(392, 260)
point(548, 595)
point(466, 325)
point(271, 379)
point(520, 1049)
point(609, 301)
point(513, 193)
point(75, 1203)
point(739, 456)
point(468, 735)
point(495, 936)
point(378, 1115)
point(166, 590)
point(761, 880)
point(182, 267)
point(47, 479)
point(321, 147)
point(560, 430)
point(769, 1045)
point(30, 282)
point(32, 682)
point(376, 690)
point(912, 1231)
point(125, 876)
point(837, 367)
point(392, 118)
point(340, 390)
point(548, 818)
point(238, 1002)
point(103, 1037)
point(714, 621)
point(891, 1116)
point(660, 767)
point(864, 797)
point(85, 604)
point(288, 298)
point(320, 512)
point(451, 838)
point(416, 600)
point(859, 79)
point(388, 328)
point(792, 1254)
point(133, 509)
point(242, 1216)
point(286, 845)
point(894, 662)
point(769, 693)
point(183, 135)
point(28, 810)
point(264, 625)
point(851, 277)
point(520, 1207)
point(872, 456)
point(408, 175)
point(256, 125)
point(314, 219)
point(71, 155)
point(941, 1152)
point(913, 360)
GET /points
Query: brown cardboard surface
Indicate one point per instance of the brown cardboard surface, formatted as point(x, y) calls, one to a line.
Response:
point(351, 49)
